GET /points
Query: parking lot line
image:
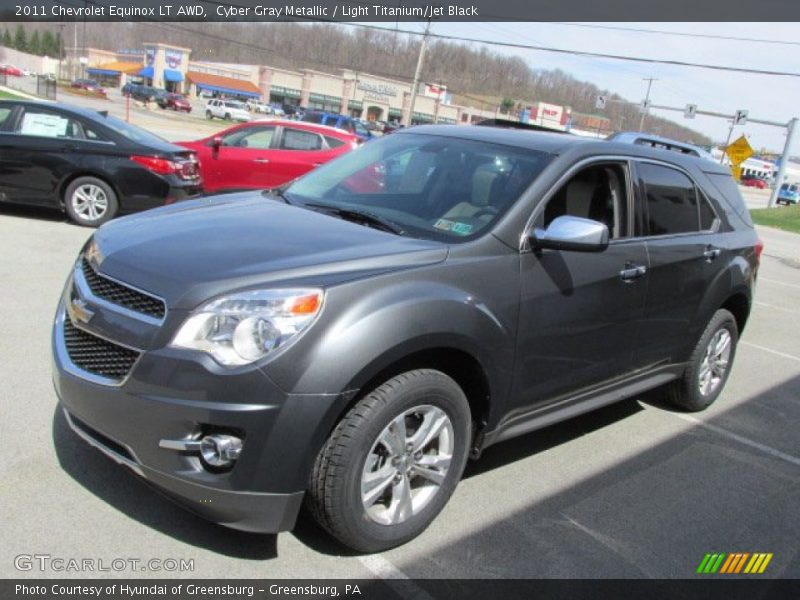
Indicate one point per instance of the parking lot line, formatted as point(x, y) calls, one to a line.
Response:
point(741, 439)
point(394, 577)
point(779, 282)
point(771, 351)
point(775, 307)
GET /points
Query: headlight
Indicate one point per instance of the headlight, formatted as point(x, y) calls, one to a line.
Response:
point(242, 328)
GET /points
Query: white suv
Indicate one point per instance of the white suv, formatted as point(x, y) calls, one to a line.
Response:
point(228, 110)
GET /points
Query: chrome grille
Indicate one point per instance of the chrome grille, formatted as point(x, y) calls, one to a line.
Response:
point(96, 355)
point(117, 293)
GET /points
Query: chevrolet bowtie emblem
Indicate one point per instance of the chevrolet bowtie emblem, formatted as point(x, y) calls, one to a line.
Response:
point(80, 312)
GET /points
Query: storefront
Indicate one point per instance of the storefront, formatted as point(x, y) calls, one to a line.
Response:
point(113, 74)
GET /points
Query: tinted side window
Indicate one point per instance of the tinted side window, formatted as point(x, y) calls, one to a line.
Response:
point(707, 216)
point(5, 112)
point(294, 139)
point(40, 123)
point(728, 188)
point(332, 141)
point(670, 198)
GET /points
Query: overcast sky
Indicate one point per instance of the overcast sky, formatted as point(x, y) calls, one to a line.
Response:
point(772, 98)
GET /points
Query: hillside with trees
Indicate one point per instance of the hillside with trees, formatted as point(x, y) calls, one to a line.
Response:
point(470, 70)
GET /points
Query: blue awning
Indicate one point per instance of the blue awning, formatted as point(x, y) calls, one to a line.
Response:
point(146, 72)
point(102, 72)
point(172, 75)
point(226, 90)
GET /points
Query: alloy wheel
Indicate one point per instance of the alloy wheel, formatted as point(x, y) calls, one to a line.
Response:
point(407, 465)
point(715, 362)
point(90, 202)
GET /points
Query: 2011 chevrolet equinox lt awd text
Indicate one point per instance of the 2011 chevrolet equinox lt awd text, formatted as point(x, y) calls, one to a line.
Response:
point(352, 338)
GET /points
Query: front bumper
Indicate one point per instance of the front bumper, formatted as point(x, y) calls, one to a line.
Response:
point(172, 395)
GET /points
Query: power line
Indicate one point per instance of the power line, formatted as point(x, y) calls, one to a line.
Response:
point(676, 33)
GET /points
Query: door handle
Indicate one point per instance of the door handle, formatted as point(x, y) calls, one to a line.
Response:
point(261, 161)
point(631, 272)
point(711, 253)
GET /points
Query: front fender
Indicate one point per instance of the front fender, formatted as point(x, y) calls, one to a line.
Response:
point(363, 331)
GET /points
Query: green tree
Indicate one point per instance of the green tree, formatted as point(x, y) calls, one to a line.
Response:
point(7, 41)
point(20, 39)
point(49, 46)
point(507, 105)
point(35, 44)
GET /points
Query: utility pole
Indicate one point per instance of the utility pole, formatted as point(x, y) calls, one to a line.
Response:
point(408, 118)
point(787, 152)
point(727, 141)
point(645, 108)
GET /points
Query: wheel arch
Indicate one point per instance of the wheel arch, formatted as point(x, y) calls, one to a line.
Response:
point(65, 183)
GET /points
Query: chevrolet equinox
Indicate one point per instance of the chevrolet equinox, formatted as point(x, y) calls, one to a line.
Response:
point(352, 338)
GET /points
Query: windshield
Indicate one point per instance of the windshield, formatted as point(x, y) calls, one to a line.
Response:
point(432, 187)
point(132, 132)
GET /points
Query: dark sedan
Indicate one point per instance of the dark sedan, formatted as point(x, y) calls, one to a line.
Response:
point(89, 164)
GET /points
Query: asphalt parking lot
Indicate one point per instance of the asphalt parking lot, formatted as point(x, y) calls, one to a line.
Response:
point(633, 490)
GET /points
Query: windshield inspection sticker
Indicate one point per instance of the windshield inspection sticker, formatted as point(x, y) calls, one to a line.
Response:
point(454, 226)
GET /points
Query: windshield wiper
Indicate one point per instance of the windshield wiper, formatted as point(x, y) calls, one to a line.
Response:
point(359, 216)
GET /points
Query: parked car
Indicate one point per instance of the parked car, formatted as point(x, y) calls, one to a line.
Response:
point(266, 154)
point(90, 85)
point(789, 194)
point(754, 181)
point(144, 93)
point(356, 349)
point(259, 107)
point(176, 102)
point(343, 122)
point(11, 70)
point(89, 164)
point(228, 110)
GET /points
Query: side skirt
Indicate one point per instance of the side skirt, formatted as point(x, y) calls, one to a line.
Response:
point(578, 404)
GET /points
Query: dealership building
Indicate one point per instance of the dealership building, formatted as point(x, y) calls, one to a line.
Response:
point(347, 92)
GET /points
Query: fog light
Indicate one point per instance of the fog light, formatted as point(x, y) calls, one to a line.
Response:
point(219, 450)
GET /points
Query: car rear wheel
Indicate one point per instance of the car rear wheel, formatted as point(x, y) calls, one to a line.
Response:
point(90, 201)
point(709, 365)
point(392, 463)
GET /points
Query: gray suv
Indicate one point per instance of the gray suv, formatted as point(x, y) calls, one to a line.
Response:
point(352, 338)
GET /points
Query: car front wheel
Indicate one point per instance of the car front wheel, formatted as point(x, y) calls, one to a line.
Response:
point(90, 201)
point(709, 365)
point(209, 116)
point(392, 463)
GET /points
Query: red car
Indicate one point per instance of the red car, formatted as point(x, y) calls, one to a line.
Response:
point(176, 102)
point(10, 70)
point(266, 154)
point(90, 85)
point(753, 181)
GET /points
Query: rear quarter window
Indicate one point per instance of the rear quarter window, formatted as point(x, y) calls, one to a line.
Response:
point(727, 188)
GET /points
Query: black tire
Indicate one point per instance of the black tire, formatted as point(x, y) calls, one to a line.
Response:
point(686, 393)
point(334, 496)
point(209, 116)
point(227, 116)
point(73, 202)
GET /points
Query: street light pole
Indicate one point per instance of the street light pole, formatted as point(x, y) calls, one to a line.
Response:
point(645, 108)
point(787, 152)
point(409, 116)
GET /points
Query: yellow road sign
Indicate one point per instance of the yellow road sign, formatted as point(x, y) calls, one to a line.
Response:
point(739, 151)
point(737, 172)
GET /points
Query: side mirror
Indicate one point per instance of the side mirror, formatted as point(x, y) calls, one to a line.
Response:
point(571, 233)
point(216, 143)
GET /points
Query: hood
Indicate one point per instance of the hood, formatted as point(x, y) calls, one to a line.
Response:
point(191, 251)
